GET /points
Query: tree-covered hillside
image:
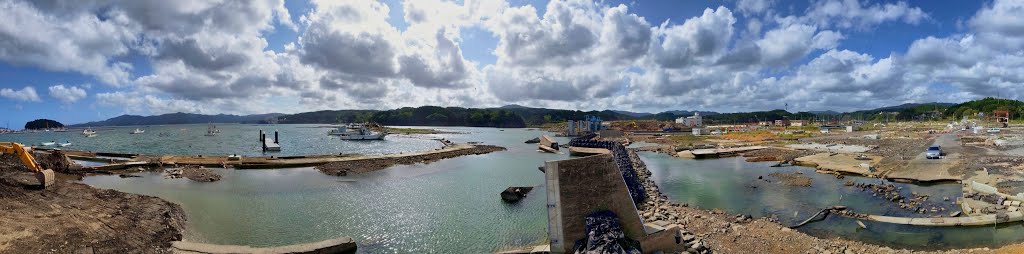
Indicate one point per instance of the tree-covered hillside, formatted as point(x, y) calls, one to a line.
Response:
point(42, 124)
point(986, 105)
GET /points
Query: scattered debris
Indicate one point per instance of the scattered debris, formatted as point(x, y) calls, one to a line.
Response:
point(514, 194)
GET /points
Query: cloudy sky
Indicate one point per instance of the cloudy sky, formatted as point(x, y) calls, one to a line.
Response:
point(85, 60)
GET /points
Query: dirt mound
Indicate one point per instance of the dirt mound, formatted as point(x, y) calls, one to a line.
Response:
point(200, 174)
point(792, 179)
point(71, 217)
point(776, 154)
point(373, 164)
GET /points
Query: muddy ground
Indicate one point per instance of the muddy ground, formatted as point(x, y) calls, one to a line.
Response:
point(369, 165)
point(70, 217)
point(776, 154)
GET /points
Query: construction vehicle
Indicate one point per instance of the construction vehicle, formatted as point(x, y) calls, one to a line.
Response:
point(45, 176)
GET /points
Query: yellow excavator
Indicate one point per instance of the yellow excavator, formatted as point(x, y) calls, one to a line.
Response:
point(45, 176)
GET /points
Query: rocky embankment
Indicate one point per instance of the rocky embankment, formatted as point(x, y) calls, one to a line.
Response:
point(70, 217)
point(718, 232)
point(360, 166)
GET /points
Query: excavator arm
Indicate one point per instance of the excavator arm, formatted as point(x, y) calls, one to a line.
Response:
point(45, 176)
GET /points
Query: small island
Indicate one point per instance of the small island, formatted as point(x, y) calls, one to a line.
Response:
point(40, 124)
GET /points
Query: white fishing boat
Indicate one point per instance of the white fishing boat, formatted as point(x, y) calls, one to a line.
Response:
point(65, 144)
point(357, 132)
point(212, 130)
point(88, 132)
point(49, 143)
point(138, 131)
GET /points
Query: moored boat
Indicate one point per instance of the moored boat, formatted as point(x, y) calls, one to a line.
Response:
point(212, 130)
point(137, 131)
point(357, 132)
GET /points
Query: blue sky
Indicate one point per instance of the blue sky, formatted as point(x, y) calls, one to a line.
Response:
point(86, 62)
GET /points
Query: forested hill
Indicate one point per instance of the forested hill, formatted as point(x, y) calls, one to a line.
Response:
point(520, 116)
point(42, 124)
point(506, 117)
point(986, 105)
point(180, 118)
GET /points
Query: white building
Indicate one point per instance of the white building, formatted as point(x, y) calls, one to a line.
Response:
point(691, 121)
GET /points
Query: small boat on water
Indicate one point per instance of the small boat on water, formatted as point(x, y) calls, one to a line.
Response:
point(137, 131)
point(212, 130)
point(357, 132)
point(65, 144)
point(88, 132)
point(91, 135)
point(49, 143)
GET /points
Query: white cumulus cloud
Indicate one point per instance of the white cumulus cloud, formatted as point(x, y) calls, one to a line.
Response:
point(67, 94)
point(27, 93)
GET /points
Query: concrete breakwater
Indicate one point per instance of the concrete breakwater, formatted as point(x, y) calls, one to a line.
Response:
point(341, 163)
point(374, 163)
point(337, 245)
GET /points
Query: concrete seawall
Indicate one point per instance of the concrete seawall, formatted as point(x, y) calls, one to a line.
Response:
point(337, 245)
point(253, 162)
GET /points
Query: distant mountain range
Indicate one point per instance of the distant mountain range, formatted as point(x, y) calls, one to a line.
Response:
point(181, 118)
point(521, 116)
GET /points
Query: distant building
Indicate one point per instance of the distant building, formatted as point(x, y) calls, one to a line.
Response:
point(592, 124)
point(782, 122)
point(799, 123)
point(691, 121)
point(700, 131)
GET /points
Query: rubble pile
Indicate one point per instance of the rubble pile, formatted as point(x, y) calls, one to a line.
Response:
point(604, 235)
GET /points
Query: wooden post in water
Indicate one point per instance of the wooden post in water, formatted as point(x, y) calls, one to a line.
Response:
point(262, 142)
point(275, 137)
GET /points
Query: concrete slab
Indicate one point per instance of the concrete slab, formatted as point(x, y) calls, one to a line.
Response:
point(845, 163)
point(922, 169)
point(951, 221)
point(831, 148)
point(718, 152)
point(337, 245)
point(587, 151)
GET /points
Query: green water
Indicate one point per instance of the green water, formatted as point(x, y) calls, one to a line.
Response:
point(730, 184)
point(452, 206)
point(243, 139)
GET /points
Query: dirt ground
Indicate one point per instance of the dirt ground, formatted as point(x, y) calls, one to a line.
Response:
point(368, 165)
point(71, 217)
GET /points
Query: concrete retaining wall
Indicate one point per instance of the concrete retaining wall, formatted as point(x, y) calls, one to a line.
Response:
point(589, 184)
point(337, 245)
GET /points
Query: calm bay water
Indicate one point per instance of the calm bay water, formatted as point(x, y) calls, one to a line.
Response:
point(452, 206)
point(449, 206)
point(243, 139)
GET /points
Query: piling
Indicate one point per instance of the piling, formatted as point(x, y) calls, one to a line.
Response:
point(263, 143)
point(275, 137)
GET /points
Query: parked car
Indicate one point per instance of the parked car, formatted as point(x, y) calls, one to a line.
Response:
point(934, 152)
